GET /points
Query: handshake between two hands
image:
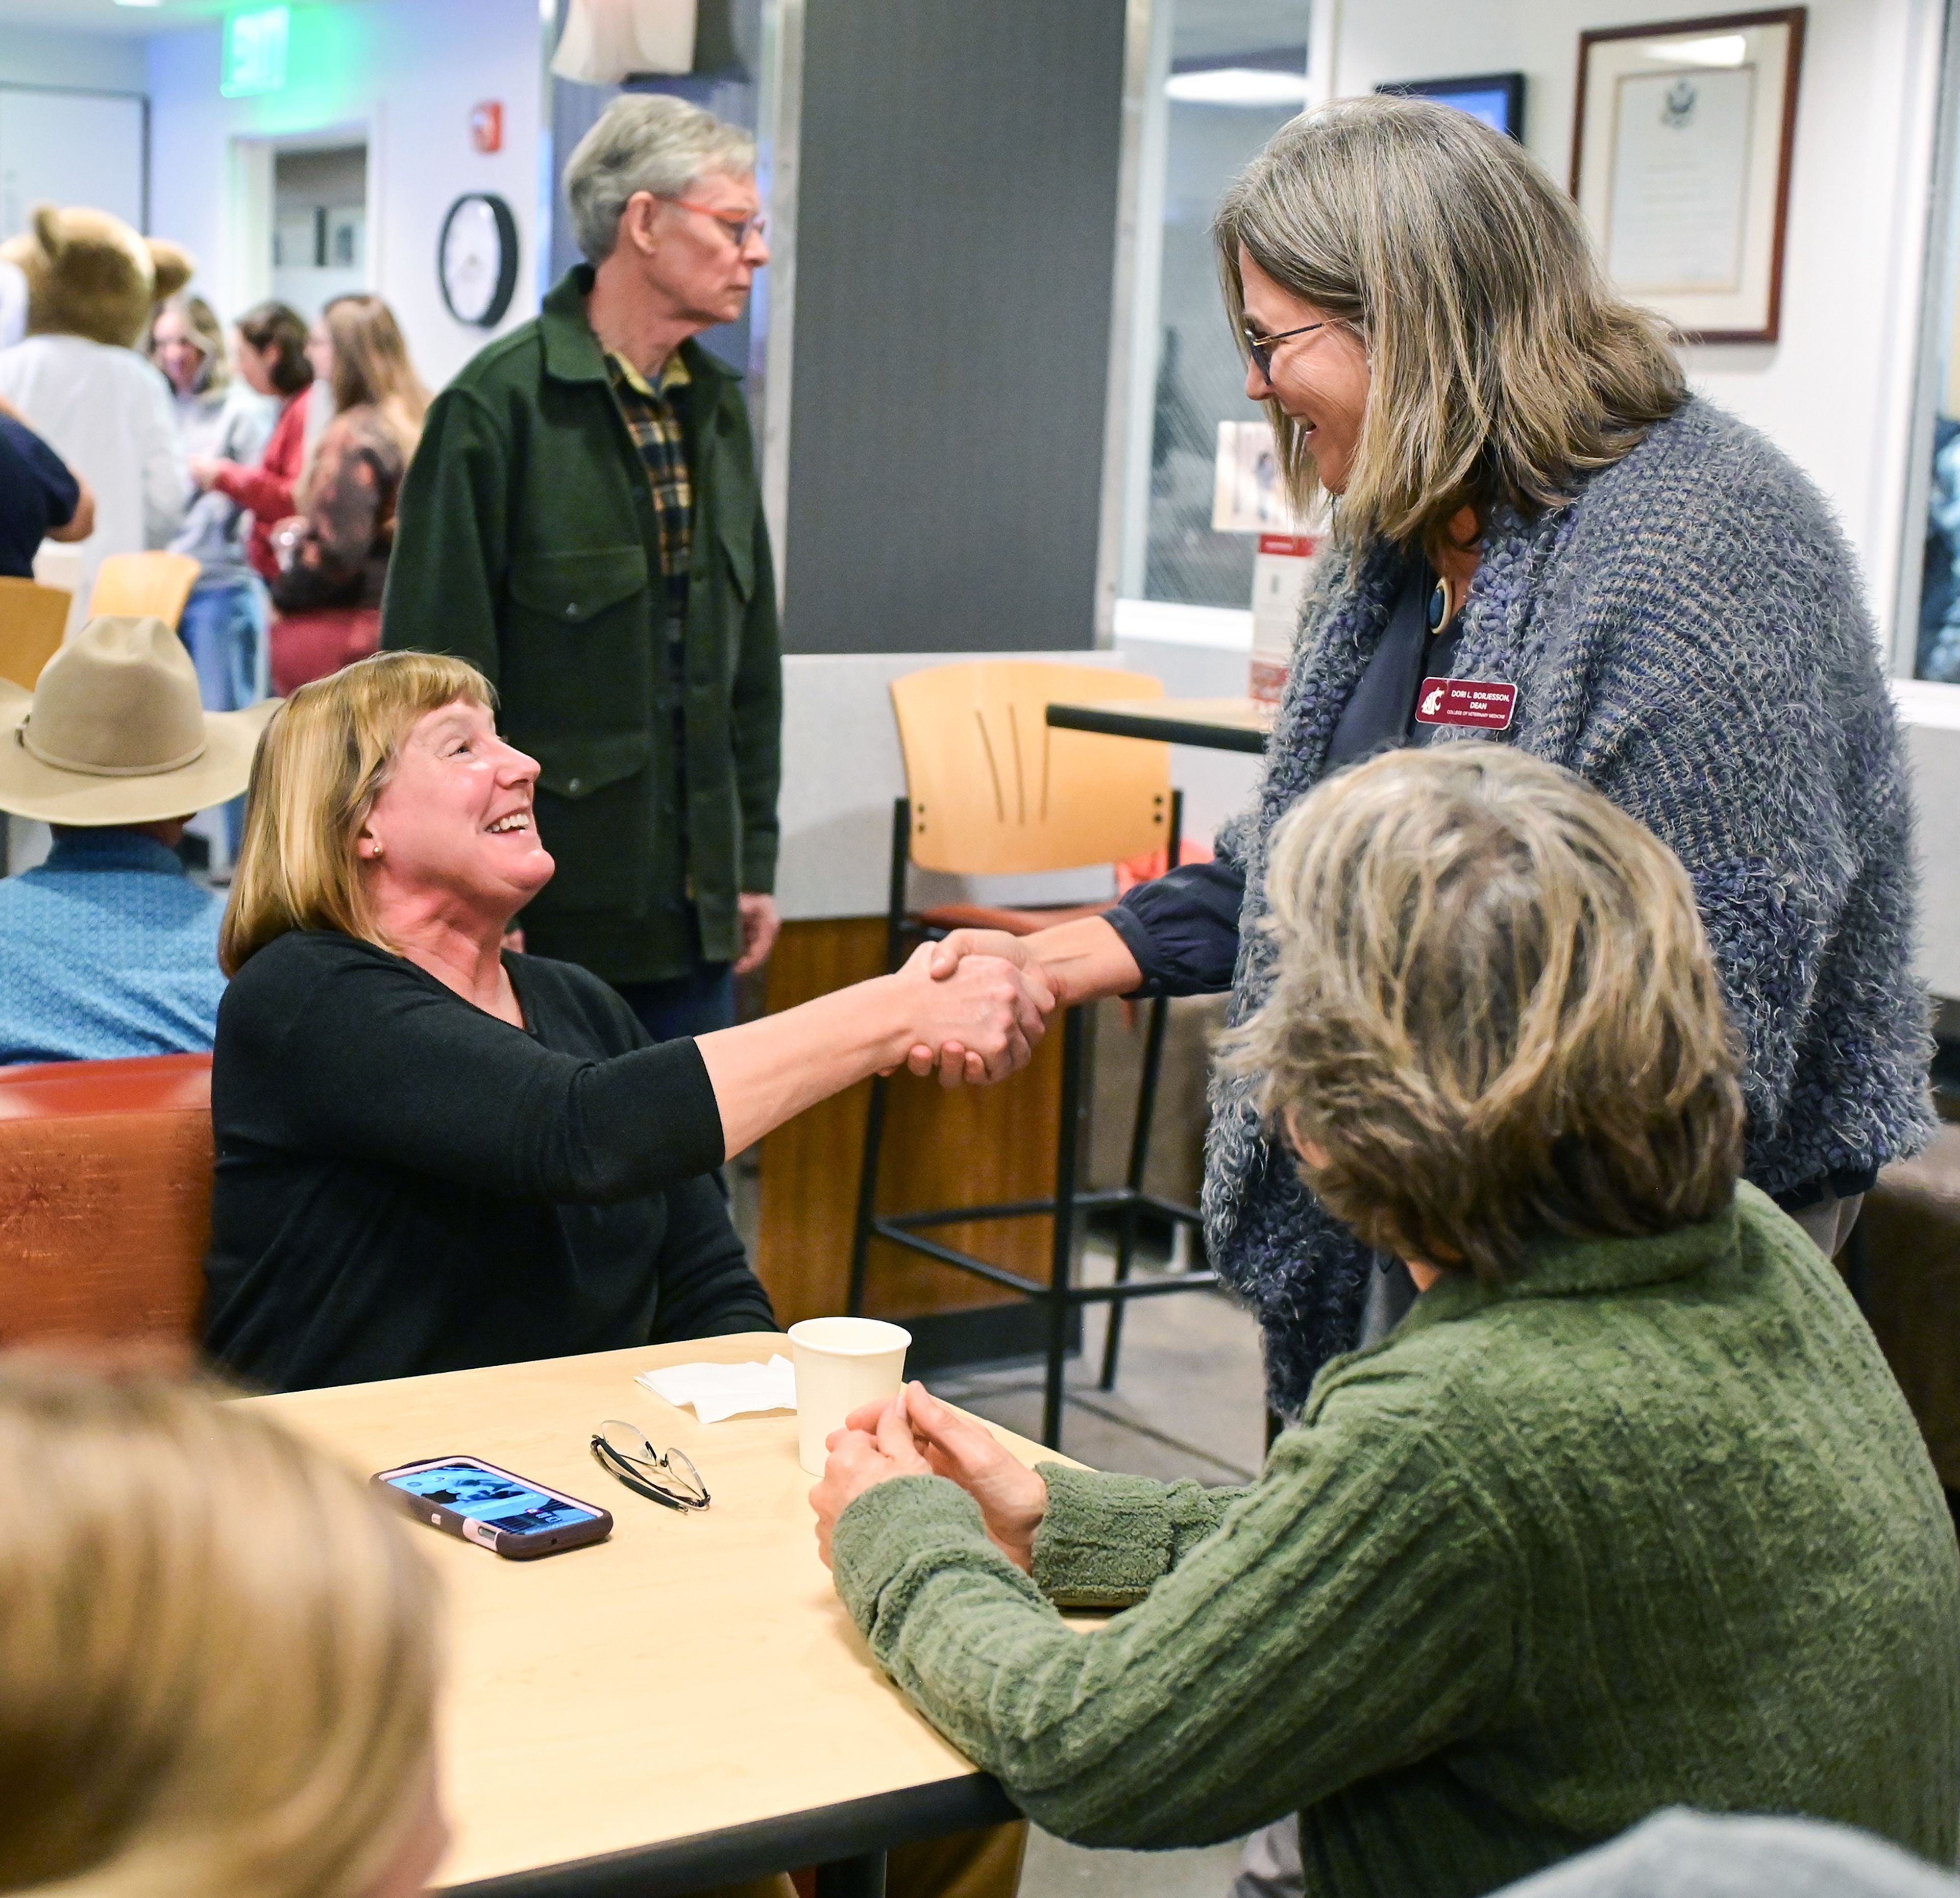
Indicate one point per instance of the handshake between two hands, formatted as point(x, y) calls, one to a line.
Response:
point(915, 1435)
point(978, 1002)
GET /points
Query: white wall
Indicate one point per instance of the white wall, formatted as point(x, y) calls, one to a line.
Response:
point(1835, 392)
point(55, 146)
point(96, 61)
point(406, 72)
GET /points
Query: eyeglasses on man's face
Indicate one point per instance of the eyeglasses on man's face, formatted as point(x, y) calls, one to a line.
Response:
point(739, 230)
point(666, 1477)
point(1260, 348)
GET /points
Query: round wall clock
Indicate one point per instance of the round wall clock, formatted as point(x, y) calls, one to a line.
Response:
point(476, 258)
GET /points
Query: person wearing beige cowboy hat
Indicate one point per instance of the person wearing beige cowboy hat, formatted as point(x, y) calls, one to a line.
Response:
point(108, 949)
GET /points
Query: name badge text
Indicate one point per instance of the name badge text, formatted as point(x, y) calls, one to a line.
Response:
point(1486, 703)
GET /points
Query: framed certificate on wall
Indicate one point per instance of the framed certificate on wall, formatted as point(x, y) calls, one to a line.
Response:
point(1681, 165)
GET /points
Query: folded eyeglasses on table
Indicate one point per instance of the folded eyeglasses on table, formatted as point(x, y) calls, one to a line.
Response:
point(665, 1476)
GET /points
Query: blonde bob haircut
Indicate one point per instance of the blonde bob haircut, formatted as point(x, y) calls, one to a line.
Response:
point(218, 1658)
point(1503, 365)
point(321, 763)
point(1495, 1015)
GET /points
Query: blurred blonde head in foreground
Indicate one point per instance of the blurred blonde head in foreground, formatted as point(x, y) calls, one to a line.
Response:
point(1496, 1017)
point(217, 1655)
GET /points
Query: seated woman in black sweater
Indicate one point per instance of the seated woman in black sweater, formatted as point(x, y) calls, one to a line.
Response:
point(433, 1154)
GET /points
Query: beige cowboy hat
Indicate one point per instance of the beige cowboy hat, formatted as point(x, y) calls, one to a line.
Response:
point(114, 733)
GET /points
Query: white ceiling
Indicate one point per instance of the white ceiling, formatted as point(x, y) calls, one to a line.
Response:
point(105, 16)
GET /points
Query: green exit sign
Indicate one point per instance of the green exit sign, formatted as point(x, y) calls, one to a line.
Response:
point(255, 52)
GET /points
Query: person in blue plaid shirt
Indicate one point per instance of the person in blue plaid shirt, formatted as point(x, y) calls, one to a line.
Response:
point(108, 949)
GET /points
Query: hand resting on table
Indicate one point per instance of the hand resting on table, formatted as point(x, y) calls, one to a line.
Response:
point(915, 1435)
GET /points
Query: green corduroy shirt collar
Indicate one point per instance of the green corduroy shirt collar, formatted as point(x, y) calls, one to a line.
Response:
point(572, 353)
point(1566, 1268)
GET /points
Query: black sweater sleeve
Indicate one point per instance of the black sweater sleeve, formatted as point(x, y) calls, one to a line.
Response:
point(1183, 929)
point(372, 1060)
point(707, 1289)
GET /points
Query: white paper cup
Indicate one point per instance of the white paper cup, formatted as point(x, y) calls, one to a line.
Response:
point(840, 1364)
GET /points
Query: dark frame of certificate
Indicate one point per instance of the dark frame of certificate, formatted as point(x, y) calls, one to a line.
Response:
point(1790, 21)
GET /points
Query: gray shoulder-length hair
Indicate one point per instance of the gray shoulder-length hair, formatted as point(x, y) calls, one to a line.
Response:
point(1503, 366)
point(645, 142)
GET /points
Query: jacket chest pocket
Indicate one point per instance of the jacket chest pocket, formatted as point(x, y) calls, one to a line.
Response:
point(574, 767)
point(576, 644)
point(570, 589)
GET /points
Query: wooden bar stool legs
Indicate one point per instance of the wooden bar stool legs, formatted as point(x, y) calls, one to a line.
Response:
point(1061, 1305)
point(1062, 1298)
point(1133, 1181)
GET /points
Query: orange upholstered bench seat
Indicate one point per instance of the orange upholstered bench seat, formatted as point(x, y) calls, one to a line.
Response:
point(105, 1205)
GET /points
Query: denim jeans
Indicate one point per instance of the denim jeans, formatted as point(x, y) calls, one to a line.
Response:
point(224, 625)
point(696, 1003)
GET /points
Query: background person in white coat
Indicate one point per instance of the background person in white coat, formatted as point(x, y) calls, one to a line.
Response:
point(77, 377)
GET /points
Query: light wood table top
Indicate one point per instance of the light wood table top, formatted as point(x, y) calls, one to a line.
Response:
point(690, 1675)
point(1215, 724)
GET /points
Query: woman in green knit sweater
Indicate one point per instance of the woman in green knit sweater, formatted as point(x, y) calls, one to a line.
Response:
point(1627, 1512)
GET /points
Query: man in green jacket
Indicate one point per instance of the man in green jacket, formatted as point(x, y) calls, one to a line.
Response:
point(1627, 1512)
point(583, 521)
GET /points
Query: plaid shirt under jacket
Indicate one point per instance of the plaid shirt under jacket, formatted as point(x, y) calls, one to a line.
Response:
point(656, 432)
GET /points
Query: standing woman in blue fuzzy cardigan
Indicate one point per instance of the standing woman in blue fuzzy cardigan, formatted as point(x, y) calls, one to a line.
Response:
point(1540, 539)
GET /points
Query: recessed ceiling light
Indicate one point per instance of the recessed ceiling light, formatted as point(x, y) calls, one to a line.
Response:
point(1237, 86)
point(139, 3)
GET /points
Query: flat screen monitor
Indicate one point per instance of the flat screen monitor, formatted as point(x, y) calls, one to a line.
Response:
point(1497, 98)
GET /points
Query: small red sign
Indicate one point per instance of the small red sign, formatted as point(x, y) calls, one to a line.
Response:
point(1294, 546)
point(1487, 703)
point(486, 125)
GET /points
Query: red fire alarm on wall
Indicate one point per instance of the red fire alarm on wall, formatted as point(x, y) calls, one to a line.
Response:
point(486, 125)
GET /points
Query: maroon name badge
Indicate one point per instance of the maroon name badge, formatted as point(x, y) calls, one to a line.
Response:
point(1486, 704)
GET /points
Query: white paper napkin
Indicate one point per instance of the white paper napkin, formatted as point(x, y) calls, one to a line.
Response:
point(720, 1391)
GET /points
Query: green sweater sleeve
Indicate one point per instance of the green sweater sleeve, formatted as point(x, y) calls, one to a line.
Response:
point(1349, 1613)
point(1107, 1539)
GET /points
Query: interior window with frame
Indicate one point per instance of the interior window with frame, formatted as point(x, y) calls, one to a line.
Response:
point(1223, 76)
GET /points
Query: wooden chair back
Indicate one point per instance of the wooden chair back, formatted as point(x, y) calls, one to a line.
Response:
point(105, 1206)
point(33, 618)
point(994, 789)
point(154, 585)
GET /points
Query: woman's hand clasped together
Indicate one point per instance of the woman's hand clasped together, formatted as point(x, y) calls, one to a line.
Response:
point(1074, 962)
point(980, 1023)
point(915, 1435)
point(983, 1024)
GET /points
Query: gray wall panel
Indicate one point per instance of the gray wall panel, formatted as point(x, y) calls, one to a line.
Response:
point(956, 230)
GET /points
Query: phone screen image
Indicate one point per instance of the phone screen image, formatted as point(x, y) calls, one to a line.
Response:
point(483, 1496)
